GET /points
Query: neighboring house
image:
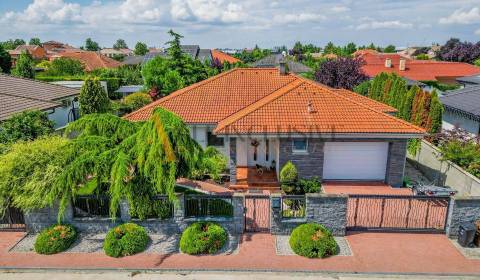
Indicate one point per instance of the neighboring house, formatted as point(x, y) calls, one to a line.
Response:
point(469, 80)
point(91, 60)
point(194, 51)
point(19, 94)
point(54, 48)
point(417, 70)
point(273, 60)
point(78, 84)
point(127, 90)
point(409, 52)
point(133, 60)
point(37, 52)
point(462, 109)
point(223, 57)
point(266, 117)
point(110, 52)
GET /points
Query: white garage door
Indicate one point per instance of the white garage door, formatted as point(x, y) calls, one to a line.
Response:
point(355, 160)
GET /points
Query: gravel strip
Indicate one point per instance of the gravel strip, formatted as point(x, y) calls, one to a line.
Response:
point(282, 246)
point(469, 253)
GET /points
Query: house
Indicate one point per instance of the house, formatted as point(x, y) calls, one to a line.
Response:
point(417, 70)
point(78, 84)
point(223, 57)
point(469, 80)
point(273, 60)
point(127, 90)
point(462, 109)
point(194, 51)
point(37, 52)
point(111, 52)
point(133, 60)
point(261, 118)
point(19, 94)
point(91, 60)
point(53, 48)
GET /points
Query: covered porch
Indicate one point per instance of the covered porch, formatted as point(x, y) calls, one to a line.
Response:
point(254, 163)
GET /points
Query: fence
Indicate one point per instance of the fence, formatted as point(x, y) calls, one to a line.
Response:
point(12, 220)
point(293, 206)
point(397, 213)
point(91, 206)
point(208, 206)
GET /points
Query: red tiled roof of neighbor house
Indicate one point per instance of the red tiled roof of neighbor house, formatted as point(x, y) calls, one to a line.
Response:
point(223, 57)
point(92, 60)
point(261, 100)
point(418, 70)
point(35, 51)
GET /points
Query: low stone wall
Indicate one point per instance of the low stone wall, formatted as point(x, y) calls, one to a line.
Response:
point(326, 209)
point(444, 173)
point(462, 210)
point(40, 219)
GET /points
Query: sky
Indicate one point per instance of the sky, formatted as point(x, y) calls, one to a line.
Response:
point(242, 23)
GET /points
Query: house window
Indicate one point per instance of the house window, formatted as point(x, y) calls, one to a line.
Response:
point(300, 145)
point(214, 140)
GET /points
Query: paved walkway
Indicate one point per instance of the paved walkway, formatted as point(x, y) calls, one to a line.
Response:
point(378, 188)
point(372, 252)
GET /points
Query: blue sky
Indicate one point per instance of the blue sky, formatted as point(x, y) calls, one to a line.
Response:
point(242, 23)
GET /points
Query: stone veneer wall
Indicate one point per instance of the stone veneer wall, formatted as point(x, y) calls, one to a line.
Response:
point(311, 164)
point(233, 160)
point(462, 210)
point(326, 209)
point(40, 219)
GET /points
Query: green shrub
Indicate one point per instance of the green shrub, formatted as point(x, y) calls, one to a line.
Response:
point(137, 100)
point(55, 239)
point(203, 238)
point(311, 185)
point(125, 240)
point(288, 177)
point(313, 241)
point(211, 165)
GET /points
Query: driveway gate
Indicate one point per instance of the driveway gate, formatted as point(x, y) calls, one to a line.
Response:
point(257, 213)
point(397, 213)
point(12, 220)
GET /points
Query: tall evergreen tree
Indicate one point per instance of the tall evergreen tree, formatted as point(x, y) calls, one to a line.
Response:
point(93, 98)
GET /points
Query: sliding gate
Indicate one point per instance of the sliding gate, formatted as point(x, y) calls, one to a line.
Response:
point(397, 213)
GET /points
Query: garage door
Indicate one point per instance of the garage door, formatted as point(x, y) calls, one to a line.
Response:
point(355, 160)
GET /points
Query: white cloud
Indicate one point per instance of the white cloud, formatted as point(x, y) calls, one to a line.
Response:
point(298, 18)
point(461, 16)
point(390, 24)
point(207, 11)
point(340, 9)
point(47, 11)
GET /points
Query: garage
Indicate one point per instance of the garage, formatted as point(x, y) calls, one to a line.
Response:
point(355, 160)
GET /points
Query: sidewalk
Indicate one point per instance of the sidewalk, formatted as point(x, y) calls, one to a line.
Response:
point(372, 253)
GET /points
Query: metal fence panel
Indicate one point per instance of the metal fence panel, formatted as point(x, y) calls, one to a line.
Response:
point(293, 206)
point(208, 206)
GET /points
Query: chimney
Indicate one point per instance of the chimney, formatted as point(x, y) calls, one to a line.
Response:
point(403, 64)
point(283, 67)
point(388, 63)
point(310, 108)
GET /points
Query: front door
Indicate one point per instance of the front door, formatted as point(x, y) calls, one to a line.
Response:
point(258, 152)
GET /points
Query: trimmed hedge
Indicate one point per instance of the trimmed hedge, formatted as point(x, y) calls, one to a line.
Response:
point(125, 240)
point(55, 239)
point(313, 241)
point(203, 238)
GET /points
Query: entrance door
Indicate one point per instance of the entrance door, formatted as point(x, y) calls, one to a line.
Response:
point(257, 152)
point(257, 213)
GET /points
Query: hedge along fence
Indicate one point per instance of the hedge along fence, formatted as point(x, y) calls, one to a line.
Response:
point(428, 159)
point(230, 216)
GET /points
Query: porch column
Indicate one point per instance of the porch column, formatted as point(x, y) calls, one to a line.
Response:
point(233, 160)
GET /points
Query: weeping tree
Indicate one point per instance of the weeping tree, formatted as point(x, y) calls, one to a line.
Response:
point(135, 160)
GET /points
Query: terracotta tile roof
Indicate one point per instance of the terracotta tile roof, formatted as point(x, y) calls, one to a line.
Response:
point(223, 57)
point(418, 70)
point(92, 60)
point(379, 106)
point(253, 100)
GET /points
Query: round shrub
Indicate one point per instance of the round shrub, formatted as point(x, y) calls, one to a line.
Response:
point(125, 240)
point(55, 239)
point(137, 100)
point(313, 241)
point(203, 238)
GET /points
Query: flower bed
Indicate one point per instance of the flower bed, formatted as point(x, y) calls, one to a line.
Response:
point(55, 239)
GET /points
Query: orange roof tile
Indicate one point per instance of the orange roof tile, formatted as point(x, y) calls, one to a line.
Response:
point(223, 57)
point(260, 100)
point(91, 60)
point(418, 70)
